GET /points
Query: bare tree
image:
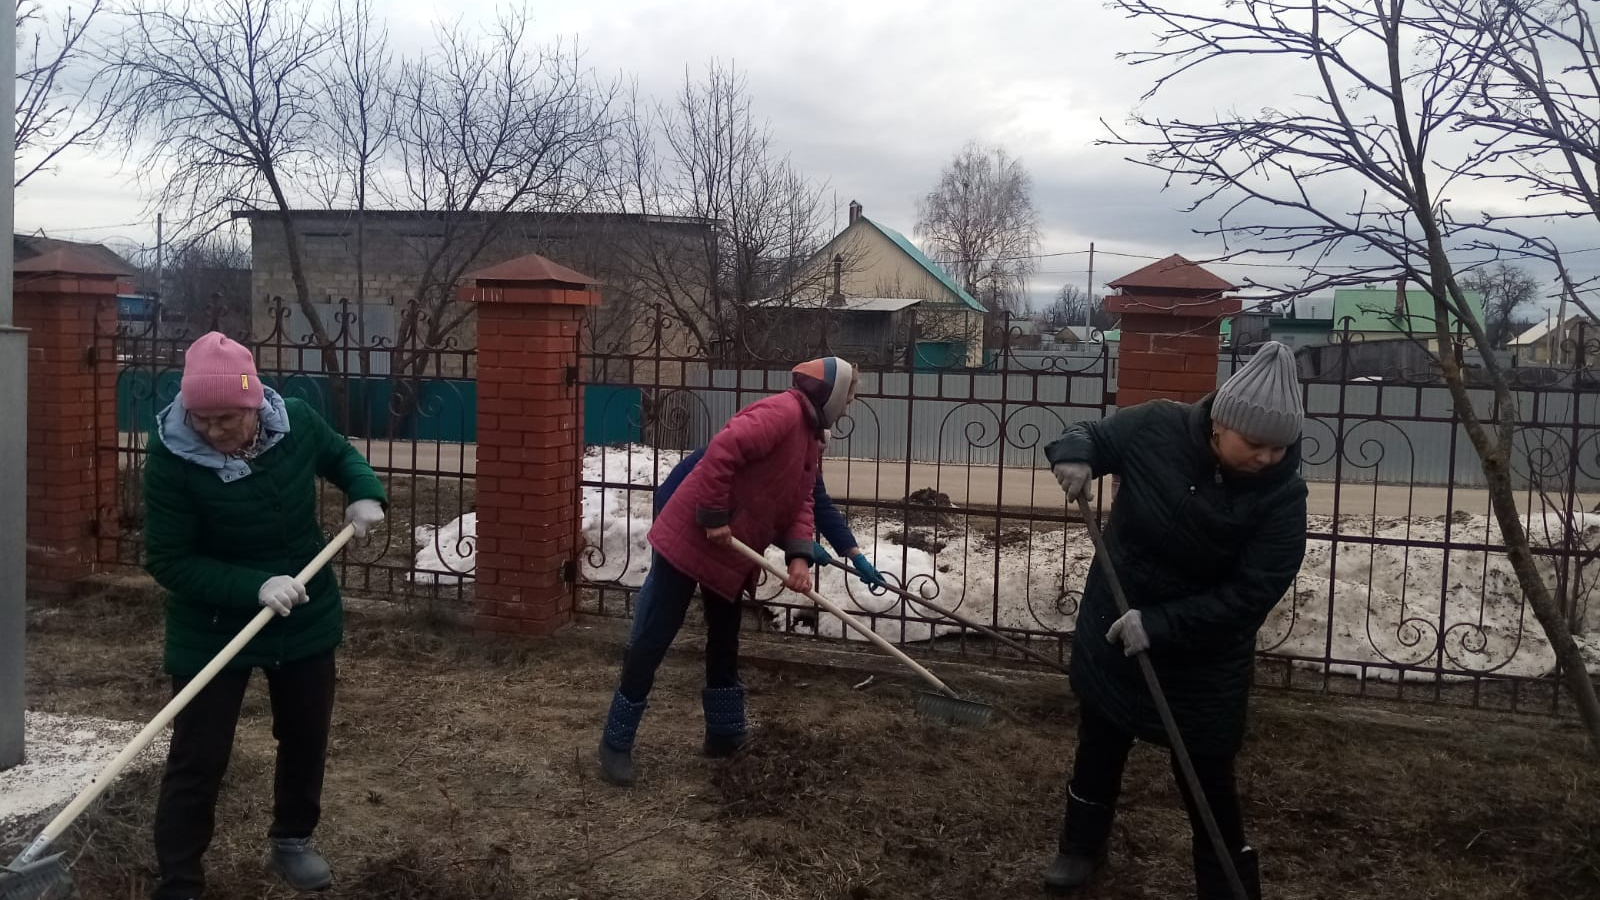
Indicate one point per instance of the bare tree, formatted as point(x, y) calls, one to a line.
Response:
point(360, 106)
point(1072, 307)
point(980, 224)
point(63, 100)
point(207, 282)
point(492, 131)
point(226, 98)
point(1360, 153)
point(1506, 291)
point(706, 158)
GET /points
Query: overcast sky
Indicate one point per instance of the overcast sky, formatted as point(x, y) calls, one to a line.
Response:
point(870, 96)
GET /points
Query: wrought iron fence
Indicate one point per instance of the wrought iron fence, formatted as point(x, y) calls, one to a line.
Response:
point(1406, 591)
point(409, 408)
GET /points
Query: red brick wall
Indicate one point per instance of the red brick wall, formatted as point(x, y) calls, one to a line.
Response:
point(530, 438)
point(1169, 346)
point(72, 428)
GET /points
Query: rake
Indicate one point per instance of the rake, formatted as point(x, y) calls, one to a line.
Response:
point(947, 705)
point(1167, 721)
point(34, 876)
point(956, 617)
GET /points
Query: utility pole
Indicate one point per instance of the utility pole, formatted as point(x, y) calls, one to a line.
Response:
point(14, 437)
point(1088, 297)
point(161, 245)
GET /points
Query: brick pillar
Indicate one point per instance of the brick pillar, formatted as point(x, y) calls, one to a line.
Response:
point(67, 299)
point(530, 443)
point(1172, 314)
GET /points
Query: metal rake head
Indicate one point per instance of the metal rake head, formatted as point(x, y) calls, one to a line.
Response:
point(953, 710)
point(44, 879)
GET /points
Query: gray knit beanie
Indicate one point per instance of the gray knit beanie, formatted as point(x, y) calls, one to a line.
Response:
point(1262, 400)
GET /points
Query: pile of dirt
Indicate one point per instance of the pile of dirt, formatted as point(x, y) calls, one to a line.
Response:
point(923, 522)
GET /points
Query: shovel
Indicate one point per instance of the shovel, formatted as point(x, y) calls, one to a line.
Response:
point(946, 705)
point(1167, 721)
point(959, 619)
point(34, 876)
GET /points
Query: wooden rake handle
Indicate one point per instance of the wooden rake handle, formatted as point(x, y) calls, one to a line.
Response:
point(850, 621)
point(169, 712)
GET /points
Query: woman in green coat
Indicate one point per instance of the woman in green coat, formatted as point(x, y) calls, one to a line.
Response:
point(1207, 534)
point(230, 515)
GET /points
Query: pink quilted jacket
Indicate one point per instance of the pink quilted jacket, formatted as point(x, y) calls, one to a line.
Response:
point(757, 476)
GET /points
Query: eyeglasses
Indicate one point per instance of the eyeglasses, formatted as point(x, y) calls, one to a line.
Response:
point(224, 423)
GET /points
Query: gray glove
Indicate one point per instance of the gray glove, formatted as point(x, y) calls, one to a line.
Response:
point(1129, 632)
point(364, 515)
point(282, 593)
point(1076, 479)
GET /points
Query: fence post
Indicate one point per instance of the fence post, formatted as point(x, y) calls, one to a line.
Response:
point(530, 442)
point(1172, 313)
point(66, 299)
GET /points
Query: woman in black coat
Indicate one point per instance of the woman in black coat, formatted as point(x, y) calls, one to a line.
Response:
point(1207, 533)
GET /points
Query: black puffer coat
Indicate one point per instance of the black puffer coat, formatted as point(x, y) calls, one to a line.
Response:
point(1204, 555)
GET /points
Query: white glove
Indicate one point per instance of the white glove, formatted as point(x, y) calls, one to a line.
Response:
point(282, 593)
point(1129, 632)
point(1075, 479)
point(363, 514)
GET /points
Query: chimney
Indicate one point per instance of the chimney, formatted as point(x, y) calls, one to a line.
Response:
point(855, 211)
point(837, 297)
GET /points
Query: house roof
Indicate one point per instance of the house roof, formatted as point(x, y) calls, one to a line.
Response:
point(1173, 273)
point(1373, 309)
point(86, 259)
point(922, 260)
point(1539, 331)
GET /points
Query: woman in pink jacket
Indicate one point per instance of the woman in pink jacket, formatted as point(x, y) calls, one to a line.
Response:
point(755, 483)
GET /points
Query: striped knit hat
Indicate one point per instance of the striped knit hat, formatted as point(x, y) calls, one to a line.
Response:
point(827, 382)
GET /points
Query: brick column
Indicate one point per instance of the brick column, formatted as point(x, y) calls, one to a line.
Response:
point(530, 443)
point(67, 299)
point(1172, 314)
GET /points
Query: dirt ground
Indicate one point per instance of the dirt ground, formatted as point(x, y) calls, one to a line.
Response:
point(463, 769)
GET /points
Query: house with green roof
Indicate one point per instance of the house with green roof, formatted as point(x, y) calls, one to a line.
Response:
point(870, 271)
point(1376, 312)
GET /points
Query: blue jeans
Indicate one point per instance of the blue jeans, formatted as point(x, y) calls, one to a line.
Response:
point(659, 611)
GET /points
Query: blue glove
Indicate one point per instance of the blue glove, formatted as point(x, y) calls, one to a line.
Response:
point(819, 554)
point(867, 572)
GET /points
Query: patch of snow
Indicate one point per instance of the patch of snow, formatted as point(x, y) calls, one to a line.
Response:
point(1377, 604)
point(63, 755)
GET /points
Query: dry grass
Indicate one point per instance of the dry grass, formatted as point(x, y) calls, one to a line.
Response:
point(462, 769)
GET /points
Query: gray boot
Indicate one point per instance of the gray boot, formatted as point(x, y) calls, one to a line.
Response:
point(726, 731)
point(299, 864)
point(616, 744)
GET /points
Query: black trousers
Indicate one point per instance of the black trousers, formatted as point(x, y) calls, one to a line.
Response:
point(202, 740)
point(662, 605)
point(1097, 782)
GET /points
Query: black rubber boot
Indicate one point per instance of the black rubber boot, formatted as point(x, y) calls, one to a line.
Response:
point(616, 744)
point(299, 864)
point(726, 732)
point(1082, 849)
point(1211, 882)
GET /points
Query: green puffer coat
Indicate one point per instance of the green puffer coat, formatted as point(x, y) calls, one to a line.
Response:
point(1202, 554)
point(215, 532)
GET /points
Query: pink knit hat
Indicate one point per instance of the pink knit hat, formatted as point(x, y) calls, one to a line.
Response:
point(219, 373)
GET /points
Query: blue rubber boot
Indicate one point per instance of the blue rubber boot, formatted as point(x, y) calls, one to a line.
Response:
point(616, 744)
point(725, 725)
